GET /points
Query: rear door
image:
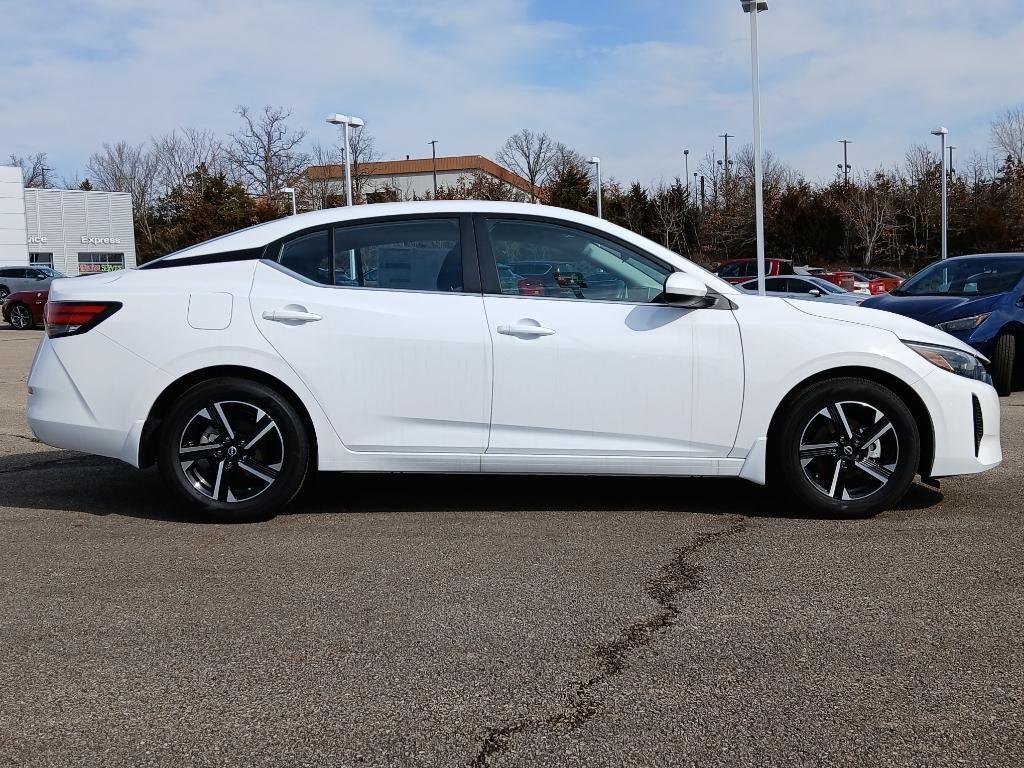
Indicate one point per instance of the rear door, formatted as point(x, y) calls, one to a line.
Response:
point(384, 321)
point(599, 367)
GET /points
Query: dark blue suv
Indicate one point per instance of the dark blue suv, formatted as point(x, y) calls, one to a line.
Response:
point(979, 299)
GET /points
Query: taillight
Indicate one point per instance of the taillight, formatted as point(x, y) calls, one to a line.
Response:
point(68, 318)
point(531, 286)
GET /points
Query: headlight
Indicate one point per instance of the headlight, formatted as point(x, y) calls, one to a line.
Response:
point(964, 323)
point(952, 360)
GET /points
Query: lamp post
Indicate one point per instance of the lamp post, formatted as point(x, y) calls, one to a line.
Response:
point(941, 132)
point(952, 170)
point(725, 165)
point(846, 162)
point(686, 159)
point(433, 162)
point(596, 162)
point(694, 189)
point(754, 7)
point(346, 121)
point(291, 191)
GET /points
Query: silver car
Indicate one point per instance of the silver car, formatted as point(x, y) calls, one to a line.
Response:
point(14, 279)
point(805, 287)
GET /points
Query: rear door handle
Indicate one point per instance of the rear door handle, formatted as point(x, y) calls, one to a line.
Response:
point(291, 316)
point(522, 329)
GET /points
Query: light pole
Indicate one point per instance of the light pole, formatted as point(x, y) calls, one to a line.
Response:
point(846, 162)
point(952, 170)
point(686, 159)
point(725, 189)
point(346, 121)
point(694, 189)
point(291, 191)
point(941, 132)
point(754, 7)
point(596, 162)
point(433, 162)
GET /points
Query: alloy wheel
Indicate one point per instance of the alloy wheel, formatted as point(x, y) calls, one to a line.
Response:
point(21, 317)
point(849, 450)
point(231, 451)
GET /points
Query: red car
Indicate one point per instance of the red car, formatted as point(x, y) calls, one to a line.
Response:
point(738, 271)
point(24, 309)
point(861, 283)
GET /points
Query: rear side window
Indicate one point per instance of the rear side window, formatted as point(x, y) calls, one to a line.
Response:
point(309, 256)
point(777, 285)
point(423, 255)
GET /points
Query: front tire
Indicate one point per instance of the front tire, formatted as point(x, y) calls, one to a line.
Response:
point(234, 450)
point(848, 448)
point(1003, 362)
point(20, 317)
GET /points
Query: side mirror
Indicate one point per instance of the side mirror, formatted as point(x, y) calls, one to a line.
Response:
point(815, 292)
point(683, 290)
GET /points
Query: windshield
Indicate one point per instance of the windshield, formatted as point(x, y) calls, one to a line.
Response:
point(966, 277)
point(50, 272)
point(825, 285)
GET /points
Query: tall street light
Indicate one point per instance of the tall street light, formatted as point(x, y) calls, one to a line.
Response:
point(686, 159)
point(291, 191)
point(941, 132)
point(347, 121)
point(433, 162)
point(596, 162)
point(846, 163)
point(952, 170)
point(754, 7)
point(725, 165)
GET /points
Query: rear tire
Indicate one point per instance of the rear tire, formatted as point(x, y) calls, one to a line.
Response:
point(848, 448)
point(1003, 362)
point(233, 450)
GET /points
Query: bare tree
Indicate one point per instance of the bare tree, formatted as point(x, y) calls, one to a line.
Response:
point(364, 152)
point(34, 169)
point(265, 153)
point(868, 210)
point(1008, 134)
point(532, 156)
point(180, 152)
point(131, 168)
point(318, 187)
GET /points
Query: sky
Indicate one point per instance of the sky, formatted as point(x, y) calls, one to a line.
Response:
point(635, 82)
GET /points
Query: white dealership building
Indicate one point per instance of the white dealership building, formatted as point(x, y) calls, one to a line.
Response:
point(73, 231)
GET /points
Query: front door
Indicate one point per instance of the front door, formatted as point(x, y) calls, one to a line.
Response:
point(382, 324)
point(589, 362)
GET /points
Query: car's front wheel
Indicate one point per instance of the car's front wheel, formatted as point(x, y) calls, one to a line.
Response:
point(1003, 362)
point(233, 449)
point(848, 447)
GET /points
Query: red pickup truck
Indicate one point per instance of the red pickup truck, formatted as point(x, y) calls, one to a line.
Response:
point(738, 271)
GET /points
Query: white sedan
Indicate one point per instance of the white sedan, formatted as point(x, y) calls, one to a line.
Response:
point(401, 338)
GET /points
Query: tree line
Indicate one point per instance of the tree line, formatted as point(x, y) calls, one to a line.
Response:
point(190, 185)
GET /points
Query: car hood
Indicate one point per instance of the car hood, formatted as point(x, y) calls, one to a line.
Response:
point(905, 328)
point(934, 309)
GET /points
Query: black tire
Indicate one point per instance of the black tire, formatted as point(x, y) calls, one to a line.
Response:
point(205, 461)
point(823, 455)
point(20, 317)
point(1003, 362)
point(4, 292)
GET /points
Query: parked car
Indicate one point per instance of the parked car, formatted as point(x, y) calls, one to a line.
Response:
point(24, 309)
point(810, 288)
point(978, 299)
point(740, 270)
point(238, 373)
point(807, 270)
point(15, 279)
point(858, 282)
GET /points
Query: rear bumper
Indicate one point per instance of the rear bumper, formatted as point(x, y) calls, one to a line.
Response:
point(73, 405)
point(959, 448)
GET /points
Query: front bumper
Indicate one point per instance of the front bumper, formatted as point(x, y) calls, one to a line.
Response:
point(963, 444)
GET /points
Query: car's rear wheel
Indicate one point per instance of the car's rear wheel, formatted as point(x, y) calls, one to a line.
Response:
point(1003, 361)
point(848, 447)
point(234, 450)
point(20, 317)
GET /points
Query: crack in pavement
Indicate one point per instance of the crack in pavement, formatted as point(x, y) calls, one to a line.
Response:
point(21, 437)
point(676, 577)
point(63, 461)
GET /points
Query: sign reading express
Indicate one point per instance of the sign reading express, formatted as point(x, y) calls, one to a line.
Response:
point(101, 241)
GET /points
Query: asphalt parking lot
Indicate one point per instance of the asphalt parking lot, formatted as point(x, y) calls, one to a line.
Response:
point(422, 621)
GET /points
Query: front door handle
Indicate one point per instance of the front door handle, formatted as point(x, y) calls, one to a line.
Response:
point(524, 329)
point(291, 316)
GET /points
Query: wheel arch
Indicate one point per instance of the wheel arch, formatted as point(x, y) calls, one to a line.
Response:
point(903, 390)
point(160, 407)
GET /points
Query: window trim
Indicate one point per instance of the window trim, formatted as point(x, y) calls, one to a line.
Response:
point(467, 243)
point(489, 265)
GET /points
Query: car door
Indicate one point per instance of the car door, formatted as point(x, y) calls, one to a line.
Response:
point(584, 371)
point(384, 322)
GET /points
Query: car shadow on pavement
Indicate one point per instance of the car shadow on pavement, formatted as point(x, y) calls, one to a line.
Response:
point(69, 481)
